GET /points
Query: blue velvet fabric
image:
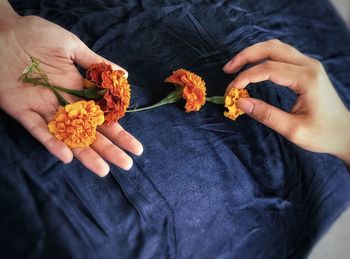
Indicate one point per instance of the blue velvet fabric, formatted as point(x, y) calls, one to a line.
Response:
point(205, 187)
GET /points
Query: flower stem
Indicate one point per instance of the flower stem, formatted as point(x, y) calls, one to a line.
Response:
point(35, 67)
point(34, 75)
point(89, 93)
point(148, 107)
point(170, 98)
point(216, 99)
point(60, 98)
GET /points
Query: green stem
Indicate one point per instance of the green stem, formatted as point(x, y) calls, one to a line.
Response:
point(60, 98)
point(89, 93)
point(160, 103)
point(170, 98)
point(216, 99)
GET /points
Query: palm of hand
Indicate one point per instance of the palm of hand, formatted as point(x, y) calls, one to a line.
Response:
point(35, 106)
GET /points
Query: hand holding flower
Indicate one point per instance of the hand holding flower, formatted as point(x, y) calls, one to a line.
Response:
point(319, 121)
point(34, 107)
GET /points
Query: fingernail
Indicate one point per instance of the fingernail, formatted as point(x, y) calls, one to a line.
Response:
point(129, 165)
point(68, 156)
point(245, 105)
point(103, 170)
point(140, 151)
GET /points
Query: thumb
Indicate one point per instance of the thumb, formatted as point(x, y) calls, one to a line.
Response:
point(274, 118)
point(84, 57)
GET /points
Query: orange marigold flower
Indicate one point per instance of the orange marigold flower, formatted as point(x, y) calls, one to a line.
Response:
point(117, 98)
point(231, 98)
point(194, 90)
point(76, 123)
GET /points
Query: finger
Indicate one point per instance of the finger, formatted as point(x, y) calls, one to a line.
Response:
point(84, 57)
point(91, 160)
point(118, 135)
point(37, 127)
point(110, 152)
point(273, 50)
point(288, 75)
point(274, 118)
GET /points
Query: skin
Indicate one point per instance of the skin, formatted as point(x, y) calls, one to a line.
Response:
point(319, 121)
point(35, 106)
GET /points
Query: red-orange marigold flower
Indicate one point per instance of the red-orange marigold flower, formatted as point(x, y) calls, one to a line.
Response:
point(194, 90)
point(117, 98)
point(76, 123)
point(231, 98)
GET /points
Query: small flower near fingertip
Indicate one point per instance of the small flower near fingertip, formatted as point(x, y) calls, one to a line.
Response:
point(189, 86)
point(230, 101)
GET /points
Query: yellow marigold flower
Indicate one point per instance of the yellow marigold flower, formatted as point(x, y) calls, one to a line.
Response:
point(231, 98)
point(76, 123)
point(194, 90)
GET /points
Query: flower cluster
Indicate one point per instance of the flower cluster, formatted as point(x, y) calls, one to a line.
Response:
point(107, 92)
point(107, 98)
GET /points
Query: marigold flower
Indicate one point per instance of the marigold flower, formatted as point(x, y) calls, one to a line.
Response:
point(194, 90)
point(231, 98)
point(76, 123)
point(117, 98)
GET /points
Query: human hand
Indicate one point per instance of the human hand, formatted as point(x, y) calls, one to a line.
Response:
point(34, 106)
point(318, 121)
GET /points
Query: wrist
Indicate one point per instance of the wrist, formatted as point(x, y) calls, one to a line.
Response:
point(343, 151)
point(7, 15)
point(345, 156)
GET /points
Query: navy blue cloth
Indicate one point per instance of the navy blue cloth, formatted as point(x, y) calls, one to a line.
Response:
point(205, 187)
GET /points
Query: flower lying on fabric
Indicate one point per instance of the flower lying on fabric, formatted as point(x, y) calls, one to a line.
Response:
point(189, 86)
point(117, 97)
point(75, 124)
point(193, 87)
point(230, 99)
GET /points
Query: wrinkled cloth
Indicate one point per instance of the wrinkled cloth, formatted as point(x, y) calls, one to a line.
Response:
point(205, 187)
